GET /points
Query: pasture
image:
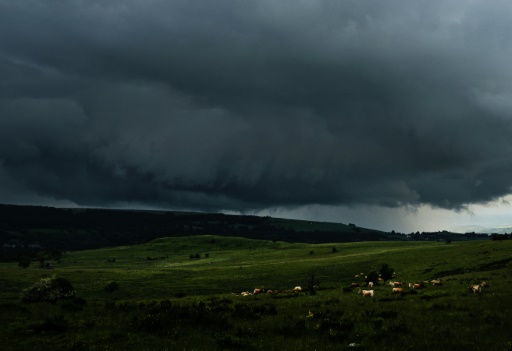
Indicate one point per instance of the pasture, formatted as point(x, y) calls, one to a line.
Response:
point(183, 293)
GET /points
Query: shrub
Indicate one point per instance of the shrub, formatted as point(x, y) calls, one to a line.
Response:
point(48, 289)
point(386, 272)
point(372, 277)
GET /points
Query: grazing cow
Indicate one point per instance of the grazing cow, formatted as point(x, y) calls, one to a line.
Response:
point(410, 285)
point(484, 284)
point(366, 292)
point(370, 284)
point(475, 288)
point(297, 289)
point(258, 291)
point(436, 282)
point(396, 284)
point(398, 290)
point(246, 293)
point(416, 286)
point(356, 276)
point(354, 285)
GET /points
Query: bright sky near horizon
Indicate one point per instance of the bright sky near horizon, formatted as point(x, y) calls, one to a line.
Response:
point(406, 220)
point(395, 115)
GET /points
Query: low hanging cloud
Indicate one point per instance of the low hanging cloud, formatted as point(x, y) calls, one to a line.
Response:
point(241, 106)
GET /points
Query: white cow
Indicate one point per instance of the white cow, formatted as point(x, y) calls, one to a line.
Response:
point(366, 292)
point(475, 288)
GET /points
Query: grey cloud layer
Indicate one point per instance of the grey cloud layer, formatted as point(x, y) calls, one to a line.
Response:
point(246, 105)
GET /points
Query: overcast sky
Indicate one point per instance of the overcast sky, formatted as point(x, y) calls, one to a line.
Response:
point(393, 114)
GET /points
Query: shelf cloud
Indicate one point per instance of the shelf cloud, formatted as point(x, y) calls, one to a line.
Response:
point(243, 106)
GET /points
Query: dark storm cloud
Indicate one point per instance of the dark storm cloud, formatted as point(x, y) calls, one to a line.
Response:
point(245, 105)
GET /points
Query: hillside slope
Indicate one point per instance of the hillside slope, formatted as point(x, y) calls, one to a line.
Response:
point(27, 230)
point(78, 229)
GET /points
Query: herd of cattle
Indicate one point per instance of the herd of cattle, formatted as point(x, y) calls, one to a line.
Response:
point(397, 287)
point(258, 291)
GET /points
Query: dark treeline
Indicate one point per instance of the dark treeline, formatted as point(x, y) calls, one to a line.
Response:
point(446, 236)
point(27, 230)
point(495, 236)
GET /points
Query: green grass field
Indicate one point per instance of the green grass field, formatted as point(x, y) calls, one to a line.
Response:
point(169, 301)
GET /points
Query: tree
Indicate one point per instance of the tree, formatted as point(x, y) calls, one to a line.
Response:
point(386, 272)
point(372, 277)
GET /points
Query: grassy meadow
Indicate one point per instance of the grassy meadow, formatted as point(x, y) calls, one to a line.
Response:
point(183, 293)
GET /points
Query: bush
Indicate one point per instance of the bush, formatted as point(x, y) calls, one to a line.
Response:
point(48, 289)
point(372, 277)
point(386, 272)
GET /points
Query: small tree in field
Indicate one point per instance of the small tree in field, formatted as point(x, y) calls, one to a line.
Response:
point(372, 277)
point(386, 272)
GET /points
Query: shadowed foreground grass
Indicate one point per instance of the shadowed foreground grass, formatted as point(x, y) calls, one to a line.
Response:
point(168, 301)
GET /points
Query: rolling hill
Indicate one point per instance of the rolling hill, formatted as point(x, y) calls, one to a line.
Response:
point(26, 230)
